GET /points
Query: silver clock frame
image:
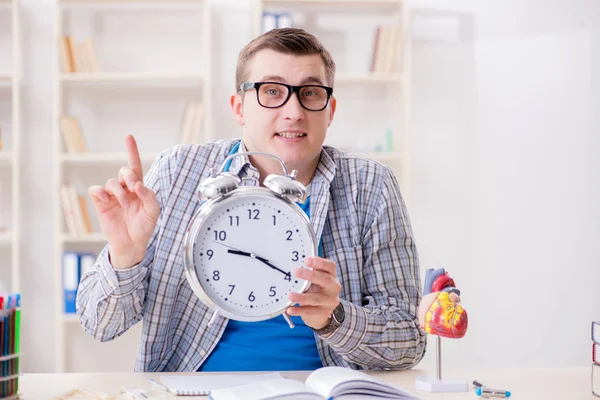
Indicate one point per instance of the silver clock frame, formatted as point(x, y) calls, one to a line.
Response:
point(220, 200)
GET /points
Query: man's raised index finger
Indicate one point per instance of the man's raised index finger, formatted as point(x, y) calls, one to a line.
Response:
point(133, 156)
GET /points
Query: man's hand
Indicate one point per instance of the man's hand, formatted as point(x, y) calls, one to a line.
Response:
point(317, 303)
point(128, 211)
point(426, 303)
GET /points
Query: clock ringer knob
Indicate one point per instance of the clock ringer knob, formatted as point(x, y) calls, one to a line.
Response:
point(286, 186)
point(218, 186)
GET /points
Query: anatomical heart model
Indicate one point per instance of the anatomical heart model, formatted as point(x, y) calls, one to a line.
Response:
point(447, 318)
point(444, 318)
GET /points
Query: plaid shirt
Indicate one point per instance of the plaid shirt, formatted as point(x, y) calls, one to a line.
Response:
point(356, 209)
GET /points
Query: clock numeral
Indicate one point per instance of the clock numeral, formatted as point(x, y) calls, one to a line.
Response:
point(288, 277)
point(295, 257)
point(289, 235)
point(272, 292)
point(274, 220)
point(232, 287)
point(233, 219)
point(251, 296)
point(216, 276)
point(253, 214)
point(220, 235)
point(209, 253)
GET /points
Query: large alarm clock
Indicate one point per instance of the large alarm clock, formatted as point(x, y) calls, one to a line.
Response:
point(243, 244)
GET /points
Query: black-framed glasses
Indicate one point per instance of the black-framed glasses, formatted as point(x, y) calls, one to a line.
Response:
point(276, 94)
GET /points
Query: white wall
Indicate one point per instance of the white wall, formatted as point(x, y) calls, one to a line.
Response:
point(504, 191)
point(505, 174)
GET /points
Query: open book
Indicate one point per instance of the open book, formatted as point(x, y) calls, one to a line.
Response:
point(322, 384)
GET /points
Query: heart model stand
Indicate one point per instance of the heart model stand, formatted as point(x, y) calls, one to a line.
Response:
point(444, 318)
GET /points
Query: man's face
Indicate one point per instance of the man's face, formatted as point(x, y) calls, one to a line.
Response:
point(290, 132)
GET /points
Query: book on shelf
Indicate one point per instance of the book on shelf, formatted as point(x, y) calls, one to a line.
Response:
point(87, 222)
point(272, 20)
point(70, 275)
point(74, 210)
point(75, 266)
point(191, 123)
point(322, 384)
point(387, 50)
point(66, 55)
point(596, 331)
point(72, 134)
point(78, 56)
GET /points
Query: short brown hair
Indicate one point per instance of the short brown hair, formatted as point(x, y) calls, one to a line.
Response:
point(287, 41)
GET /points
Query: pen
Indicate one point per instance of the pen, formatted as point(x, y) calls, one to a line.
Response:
point(160, 385)
point(17, 338)
point(486, 392)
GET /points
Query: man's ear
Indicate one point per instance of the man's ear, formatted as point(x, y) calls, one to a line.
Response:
point(332, 105)
point(237, 108)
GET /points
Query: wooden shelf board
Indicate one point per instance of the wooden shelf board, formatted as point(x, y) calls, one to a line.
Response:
point(102, 158)
point(6, 237)
point(334, 2)
point(372, 5)
point(70, 318)
point(95, 237)
point(369, 78)
point(117, 78)
point(6, 157)
point(133, 5)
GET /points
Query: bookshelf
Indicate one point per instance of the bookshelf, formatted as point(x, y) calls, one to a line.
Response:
point(130, 87)
point(348, 28)
point(10, 114)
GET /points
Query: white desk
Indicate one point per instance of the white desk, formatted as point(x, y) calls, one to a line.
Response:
point(530, 384)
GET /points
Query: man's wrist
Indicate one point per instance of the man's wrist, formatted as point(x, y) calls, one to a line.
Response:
point(323, 325)
point(123, 261)
point(334, 322)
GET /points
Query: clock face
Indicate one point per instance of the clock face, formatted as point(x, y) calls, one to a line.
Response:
point(245, 251)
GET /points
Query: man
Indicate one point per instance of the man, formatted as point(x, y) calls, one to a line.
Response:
point(361, 310)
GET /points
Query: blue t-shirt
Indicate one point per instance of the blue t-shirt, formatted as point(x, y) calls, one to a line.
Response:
point(265, 345)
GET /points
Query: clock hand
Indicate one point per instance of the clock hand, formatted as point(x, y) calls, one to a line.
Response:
point(226, 245)
point(232, 250)
point(271, 265)
point(241, 253)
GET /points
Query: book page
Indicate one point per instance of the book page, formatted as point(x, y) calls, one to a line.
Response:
point(288, 389)
point(339, 381)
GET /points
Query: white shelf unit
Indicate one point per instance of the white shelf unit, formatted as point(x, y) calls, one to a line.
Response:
point(134, 85)
point(10, 116)
point(312, 16)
